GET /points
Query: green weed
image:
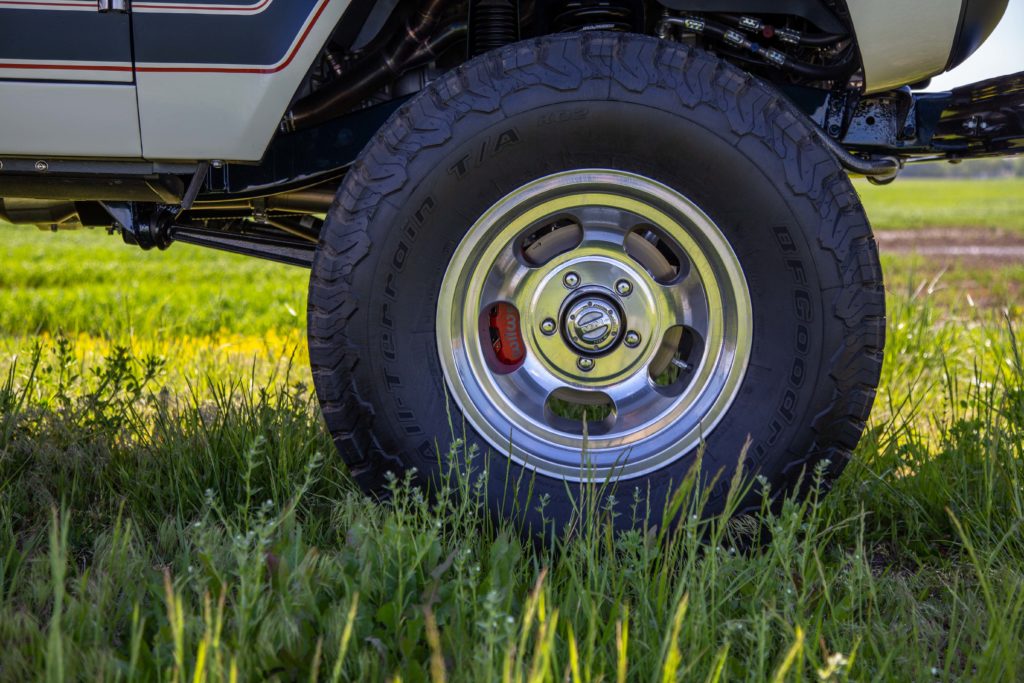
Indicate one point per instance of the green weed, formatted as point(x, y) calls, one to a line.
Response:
point(214, 534)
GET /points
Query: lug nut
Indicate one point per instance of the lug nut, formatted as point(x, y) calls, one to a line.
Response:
point(585, 364)
point(548, 327)
point(571, 280)
point(624, 287)
point(632, 339)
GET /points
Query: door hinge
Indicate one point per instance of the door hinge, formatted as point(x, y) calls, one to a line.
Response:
point(112, 5)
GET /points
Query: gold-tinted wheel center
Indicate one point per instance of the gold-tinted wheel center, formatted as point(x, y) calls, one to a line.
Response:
point(592, 324)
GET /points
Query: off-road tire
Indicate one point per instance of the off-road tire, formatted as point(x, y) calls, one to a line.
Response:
point(731, 143)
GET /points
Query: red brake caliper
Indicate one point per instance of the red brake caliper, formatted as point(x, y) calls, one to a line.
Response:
point(506, 337)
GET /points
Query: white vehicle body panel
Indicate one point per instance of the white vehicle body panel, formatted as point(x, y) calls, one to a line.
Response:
point(205, 111)
point(188, 111)
point(69, 119)
point(69, 94)
point(903, 42)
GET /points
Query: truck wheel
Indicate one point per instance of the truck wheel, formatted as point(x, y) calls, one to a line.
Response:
point(591, 255)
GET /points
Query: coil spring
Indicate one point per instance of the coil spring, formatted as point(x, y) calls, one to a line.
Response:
point(576, 14)
point(492, 23)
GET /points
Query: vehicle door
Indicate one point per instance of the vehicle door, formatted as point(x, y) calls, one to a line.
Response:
point(67, 83)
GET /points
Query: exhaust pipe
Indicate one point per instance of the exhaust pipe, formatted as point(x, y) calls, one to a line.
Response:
point(414, 44)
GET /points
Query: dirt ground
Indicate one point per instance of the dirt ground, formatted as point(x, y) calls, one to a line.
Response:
point(979, 266)
point(969, 247)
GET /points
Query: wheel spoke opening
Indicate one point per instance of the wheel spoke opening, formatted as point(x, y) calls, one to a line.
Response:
point(568, 409)
point(657, 253)
point(679, 354)
point(555, 236)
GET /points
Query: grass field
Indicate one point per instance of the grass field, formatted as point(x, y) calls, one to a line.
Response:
point(171, 508)
point(941, 203)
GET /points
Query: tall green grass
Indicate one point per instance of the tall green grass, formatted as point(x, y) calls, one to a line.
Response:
point(209, 533)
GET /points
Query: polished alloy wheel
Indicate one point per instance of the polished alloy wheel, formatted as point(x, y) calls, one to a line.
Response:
point(594, 324)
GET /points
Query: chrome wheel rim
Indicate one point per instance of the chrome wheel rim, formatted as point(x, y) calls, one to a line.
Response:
point(632, 311)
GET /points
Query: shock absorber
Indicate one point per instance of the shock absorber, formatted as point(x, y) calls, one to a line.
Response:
point(492, 24)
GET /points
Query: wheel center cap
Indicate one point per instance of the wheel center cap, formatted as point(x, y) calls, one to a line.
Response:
point(592, 324)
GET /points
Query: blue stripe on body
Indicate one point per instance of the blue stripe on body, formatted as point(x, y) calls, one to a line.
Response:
point(261, 39)
point(64, 36)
